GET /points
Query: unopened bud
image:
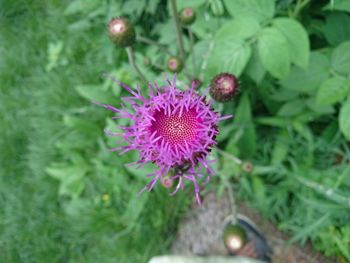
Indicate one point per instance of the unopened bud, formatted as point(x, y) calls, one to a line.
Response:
point(247, 167)
point(235, 237)
point(167, 181)
point(187, 16)
point(223, 87)
point(121, 32)
point(174, 64)
point(196, 83)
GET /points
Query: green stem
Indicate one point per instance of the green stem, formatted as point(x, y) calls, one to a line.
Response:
point(133, 64)
point(178, 28)
point(191, 51)
point(299, 6)
point(231, 199)
point(152, 42)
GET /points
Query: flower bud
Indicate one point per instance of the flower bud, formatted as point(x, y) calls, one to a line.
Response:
point(235, 237)
point(187, 16)
point(121, 32)
point(167, 181)
point(196, 83)
point(223, 87)
point(247, 167)
point(174, 64)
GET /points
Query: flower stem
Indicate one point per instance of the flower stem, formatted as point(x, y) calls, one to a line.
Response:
point(152, 42)
point(133, 64)
point(231, 199)
point(178, 28)
point(191, 51)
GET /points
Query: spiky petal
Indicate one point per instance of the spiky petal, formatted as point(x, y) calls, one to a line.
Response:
point(171, 128)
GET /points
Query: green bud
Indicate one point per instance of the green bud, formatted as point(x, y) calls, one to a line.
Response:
point(187, 16)
point(174, 64)
point(121, 32)
point(247, 167)
point(235, 237)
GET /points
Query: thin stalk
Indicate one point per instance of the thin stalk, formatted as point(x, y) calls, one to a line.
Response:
point(152, 42)
point(133, 64)
point(178, 28)
point(191, 51)
point(232, 200)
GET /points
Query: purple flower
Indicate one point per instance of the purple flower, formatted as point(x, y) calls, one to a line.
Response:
point(171, 128)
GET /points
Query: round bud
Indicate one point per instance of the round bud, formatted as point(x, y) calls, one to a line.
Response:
point(121, 32)
point(187, 16)
point(247, 167)
point(167, 181)
point(223, 87)
point(174, 64)
point(235, 237)
point(196, 83)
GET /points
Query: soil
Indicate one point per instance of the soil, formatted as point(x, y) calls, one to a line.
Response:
point(200, 233)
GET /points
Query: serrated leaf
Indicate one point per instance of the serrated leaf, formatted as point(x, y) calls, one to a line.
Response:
point(240, 28)
point(310, 78)
point(274, 52)
point(337, 28)
point(344, 118)
point(230, 55)
point(333, 90)
point(261, 9)
point(297, 38)
point(340, 59)
point(292, 108)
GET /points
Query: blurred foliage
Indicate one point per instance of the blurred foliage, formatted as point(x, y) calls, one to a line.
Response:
point(66, 198)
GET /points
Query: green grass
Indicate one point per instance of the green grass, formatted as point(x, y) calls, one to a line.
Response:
point(37, 224)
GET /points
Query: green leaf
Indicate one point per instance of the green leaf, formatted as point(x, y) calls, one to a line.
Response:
point(333, 90)
point(229, 54)
point(317, 108)
point(281, 148)
point(240, 28)
point(340, 59)
point(274, 52)
point(255, 69)
point(337, 28)
point(292, 108)
point(243, 122)
point(344, 118)
point(310, 78)
point(298, 41)
point(71, 177)
point(95, 93)
point(261, 9)
point(341, 5)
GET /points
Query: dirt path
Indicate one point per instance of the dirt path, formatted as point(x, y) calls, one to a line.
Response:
point(200, 233)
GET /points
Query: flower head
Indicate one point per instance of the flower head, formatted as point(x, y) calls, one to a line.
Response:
point(172, 128)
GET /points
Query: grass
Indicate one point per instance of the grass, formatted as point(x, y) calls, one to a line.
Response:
point(37, 224)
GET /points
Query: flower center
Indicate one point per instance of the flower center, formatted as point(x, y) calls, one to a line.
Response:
point(176, 129)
